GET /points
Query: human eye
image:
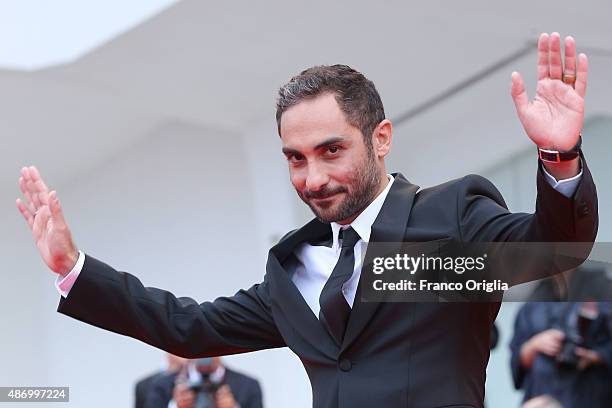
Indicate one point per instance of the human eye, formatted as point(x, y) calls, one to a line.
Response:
point(332, 150)
point(295, 158)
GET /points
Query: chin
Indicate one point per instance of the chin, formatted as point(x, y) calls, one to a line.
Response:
point(330, 215)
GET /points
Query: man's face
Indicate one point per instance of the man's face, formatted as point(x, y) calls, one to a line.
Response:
point(330, 166)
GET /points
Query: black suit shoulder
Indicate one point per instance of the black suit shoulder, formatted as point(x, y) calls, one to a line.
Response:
point(246, 389)
point(142, 388)
point(457, 187)
point(471, 208)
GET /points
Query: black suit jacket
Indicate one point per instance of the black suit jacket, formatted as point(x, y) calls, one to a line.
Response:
point(246, 390)
point(393, 354)
point(142, 388)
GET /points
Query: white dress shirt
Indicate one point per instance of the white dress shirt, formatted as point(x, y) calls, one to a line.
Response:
point(316, 263)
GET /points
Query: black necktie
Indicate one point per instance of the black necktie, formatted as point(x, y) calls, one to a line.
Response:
point(335, 310)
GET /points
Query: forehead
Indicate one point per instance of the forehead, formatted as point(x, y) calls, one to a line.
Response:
point(313, 120)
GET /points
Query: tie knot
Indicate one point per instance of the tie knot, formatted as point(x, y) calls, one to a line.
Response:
point(349, 237)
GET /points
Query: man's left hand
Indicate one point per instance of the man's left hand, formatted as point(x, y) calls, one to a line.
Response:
point(587, 358)
point(554, 119)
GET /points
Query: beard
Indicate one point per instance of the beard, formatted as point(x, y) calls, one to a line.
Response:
point(360, 193)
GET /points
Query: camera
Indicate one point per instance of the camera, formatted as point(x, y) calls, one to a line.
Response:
point(577, 325)
point(567, 356)
point(203, 386)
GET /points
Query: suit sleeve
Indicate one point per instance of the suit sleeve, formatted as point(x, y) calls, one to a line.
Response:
point(118, 301)
point(484, 216)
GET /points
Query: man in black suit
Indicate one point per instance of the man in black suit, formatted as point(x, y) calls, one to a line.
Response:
point(218, 386)
point(173, 365)
point(357, 354)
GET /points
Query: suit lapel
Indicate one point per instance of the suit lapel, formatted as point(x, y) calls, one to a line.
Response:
point(289, 299)
point(389, 226)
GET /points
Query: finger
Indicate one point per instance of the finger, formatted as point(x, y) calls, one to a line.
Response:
point(34, 195)
point(581, 75)
point(569, 67)
point(40, 222)
point(27, 185)
point(26, 213)
point(31, 188)
point(39, 185)
point(56, 209)
point(552, 351)
point(543, 51)
point(557, 334)
point(27, 195)
point(582, 352)
point(556, 70)
point(519, 95)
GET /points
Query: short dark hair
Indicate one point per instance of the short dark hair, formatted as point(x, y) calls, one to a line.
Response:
point(356, 95)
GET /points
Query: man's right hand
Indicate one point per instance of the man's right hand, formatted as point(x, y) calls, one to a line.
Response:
point(547, 342)
point(44, 216)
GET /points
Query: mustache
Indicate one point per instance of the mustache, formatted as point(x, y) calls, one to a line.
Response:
point(323, 193)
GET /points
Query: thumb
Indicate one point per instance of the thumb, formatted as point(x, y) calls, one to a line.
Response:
point(519, 95)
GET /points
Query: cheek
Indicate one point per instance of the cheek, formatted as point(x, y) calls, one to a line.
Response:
point(297, 179)
point(344, 173)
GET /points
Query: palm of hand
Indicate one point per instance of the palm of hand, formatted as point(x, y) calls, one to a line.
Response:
point(50, 239)
point(555, 116)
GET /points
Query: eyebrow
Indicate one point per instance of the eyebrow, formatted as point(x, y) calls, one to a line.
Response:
point(325, 143)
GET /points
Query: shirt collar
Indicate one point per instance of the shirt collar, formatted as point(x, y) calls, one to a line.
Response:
point(363, 223)
point(216, 376)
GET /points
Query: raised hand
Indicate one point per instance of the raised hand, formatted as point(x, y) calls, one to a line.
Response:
point(43, 214)
point(554, 118)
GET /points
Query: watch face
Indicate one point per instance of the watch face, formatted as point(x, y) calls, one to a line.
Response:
point(556, 157)
point(549, 157)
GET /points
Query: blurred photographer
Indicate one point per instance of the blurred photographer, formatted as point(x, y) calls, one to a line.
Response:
point(564, 350)
point(204, 383)
point(172, 364)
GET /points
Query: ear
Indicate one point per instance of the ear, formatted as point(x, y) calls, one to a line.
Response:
point(381, 138)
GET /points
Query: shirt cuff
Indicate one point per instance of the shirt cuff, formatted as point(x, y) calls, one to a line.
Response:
point(64, 284)
point(568, 186)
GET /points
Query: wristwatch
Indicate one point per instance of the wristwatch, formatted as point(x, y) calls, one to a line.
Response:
point(555, 156)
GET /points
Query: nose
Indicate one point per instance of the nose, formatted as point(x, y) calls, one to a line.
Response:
point(316, 178)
